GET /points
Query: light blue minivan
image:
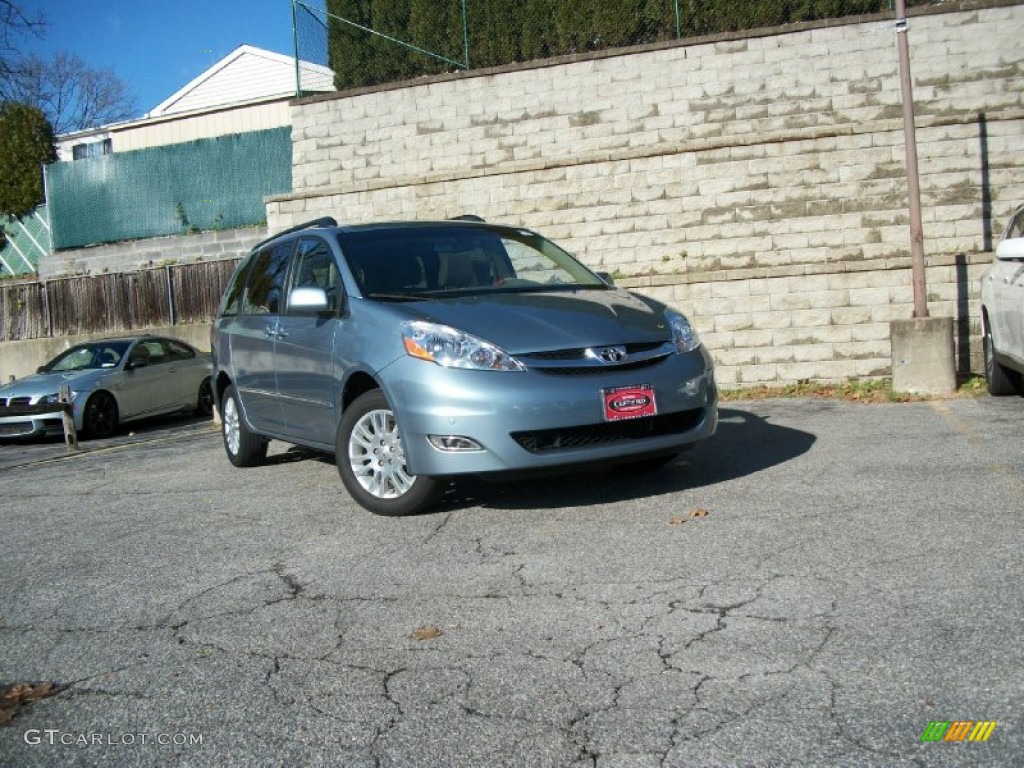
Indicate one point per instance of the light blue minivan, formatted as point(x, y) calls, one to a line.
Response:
point(417, 351)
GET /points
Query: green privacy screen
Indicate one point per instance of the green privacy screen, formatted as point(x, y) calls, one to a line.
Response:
point(176, 189)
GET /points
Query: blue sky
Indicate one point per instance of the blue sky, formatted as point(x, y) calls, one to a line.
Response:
point(157, 47)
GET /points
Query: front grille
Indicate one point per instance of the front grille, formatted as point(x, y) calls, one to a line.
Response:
point(598, 369)
point(606, 433)
point(576, 362)
point(581, 354)
point(14, 430)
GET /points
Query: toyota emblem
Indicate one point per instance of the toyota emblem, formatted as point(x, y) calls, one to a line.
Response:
point(610, 354)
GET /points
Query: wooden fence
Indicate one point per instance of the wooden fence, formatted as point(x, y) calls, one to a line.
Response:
point(182, 294)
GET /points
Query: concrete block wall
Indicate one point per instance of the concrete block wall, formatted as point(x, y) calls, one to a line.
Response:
point(136, 254)
point(757, 182)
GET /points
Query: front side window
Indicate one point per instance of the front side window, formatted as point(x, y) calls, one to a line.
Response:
point(149, 352)
point(1015, 228)
point(315, 268)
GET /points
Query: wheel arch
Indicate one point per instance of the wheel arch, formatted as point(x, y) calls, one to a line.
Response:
point(220, 382)
point(79, 413)
point(360, 382)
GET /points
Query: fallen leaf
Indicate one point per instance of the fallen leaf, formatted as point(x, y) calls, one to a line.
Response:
point(426, 633)
point(22, 693)
point(699, 512)
point(677, 520)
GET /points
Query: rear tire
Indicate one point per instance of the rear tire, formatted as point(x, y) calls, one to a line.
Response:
point(204, 400)
point(371, 460)
point(1001, 381)
point(244, 449)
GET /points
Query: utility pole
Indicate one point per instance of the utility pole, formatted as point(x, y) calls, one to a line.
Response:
point(922, 346)
point(913, 183)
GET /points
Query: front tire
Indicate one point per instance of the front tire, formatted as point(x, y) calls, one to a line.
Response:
point(1000, 380)
point(100, 417)
point(371, 460)
point(244, 449)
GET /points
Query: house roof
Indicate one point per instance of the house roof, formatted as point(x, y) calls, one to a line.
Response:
point(244, 75)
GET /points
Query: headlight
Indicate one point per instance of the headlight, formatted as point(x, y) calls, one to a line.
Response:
point(454, 349)
point(683, 334)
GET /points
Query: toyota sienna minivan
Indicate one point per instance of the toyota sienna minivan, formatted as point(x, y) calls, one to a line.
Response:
point(417, 351)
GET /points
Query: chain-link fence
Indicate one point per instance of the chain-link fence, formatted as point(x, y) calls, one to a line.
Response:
point(216, 183)
point(23, 241)
point(368, 42)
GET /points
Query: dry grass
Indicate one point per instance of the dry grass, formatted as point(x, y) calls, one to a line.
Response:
point(872, 391)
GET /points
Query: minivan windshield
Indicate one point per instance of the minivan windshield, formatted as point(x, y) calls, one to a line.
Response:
point(412, 262)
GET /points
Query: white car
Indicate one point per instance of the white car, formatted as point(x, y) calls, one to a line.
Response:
point(1002, 311)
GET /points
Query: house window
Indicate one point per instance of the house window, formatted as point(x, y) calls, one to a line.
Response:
point(92, 149)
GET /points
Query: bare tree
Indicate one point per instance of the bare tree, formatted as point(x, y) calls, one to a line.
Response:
point(15, 22)
point(72, 95)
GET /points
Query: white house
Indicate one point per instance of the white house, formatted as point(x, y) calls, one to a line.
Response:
point(247, 90)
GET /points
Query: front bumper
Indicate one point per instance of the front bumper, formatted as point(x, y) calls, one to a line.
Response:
point(30, 421)
point(532, 420)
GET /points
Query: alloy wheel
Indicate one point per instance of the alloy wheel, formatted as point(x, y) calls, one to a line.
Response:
point(376, 456)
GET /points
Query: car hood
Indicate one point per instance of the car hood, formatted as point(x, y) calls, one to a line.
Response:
point(532, 322)
point(48, 383)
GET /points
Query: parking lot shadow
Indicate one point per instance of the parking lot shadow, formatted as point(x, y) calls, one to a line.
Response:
point(745, 443)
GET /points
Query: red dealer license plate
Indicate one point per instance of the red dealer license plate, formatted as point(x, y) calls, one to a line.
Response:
point(632, 402)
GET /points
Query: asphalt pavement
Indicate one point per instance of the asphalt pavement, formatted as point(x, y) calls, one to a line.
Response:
point(815, 585)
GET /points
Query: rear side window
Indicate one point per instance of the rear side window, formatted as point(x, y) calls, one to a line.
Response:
point(231, 304)
point(178, 351)
point(266, 281)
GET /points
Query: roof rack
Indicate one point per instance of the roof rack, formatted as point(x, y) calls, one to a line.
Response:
point(468, 217)
point(324, 221)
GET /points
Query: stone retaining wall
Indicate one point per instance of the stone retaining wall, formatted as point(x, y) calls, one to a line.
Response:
point(758, 182)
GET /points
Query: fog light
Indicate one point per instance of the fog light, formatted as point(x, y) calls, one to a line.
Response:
point(453, 443)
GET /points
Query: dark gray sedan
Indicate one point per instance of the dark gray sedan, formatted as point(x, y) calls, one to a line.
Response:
point(110, 382)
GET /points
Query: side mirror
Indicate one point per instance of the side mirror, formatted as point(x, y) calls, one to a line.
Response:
point(307, 301)
point(1011, 249)
point(607, 277)
point(136, 362)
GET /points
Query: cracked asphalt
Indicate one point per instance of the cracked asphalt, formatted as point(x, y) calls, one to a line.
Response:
point(857, 575)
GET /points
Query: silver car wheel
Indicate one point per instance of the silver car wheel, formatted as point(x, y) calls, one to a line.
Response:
point(232, 434)
point(376, 456)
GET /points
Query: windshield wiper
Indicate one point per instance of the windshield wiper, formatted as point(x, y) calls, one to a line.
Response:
point(398, 296)
point(550, 288)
